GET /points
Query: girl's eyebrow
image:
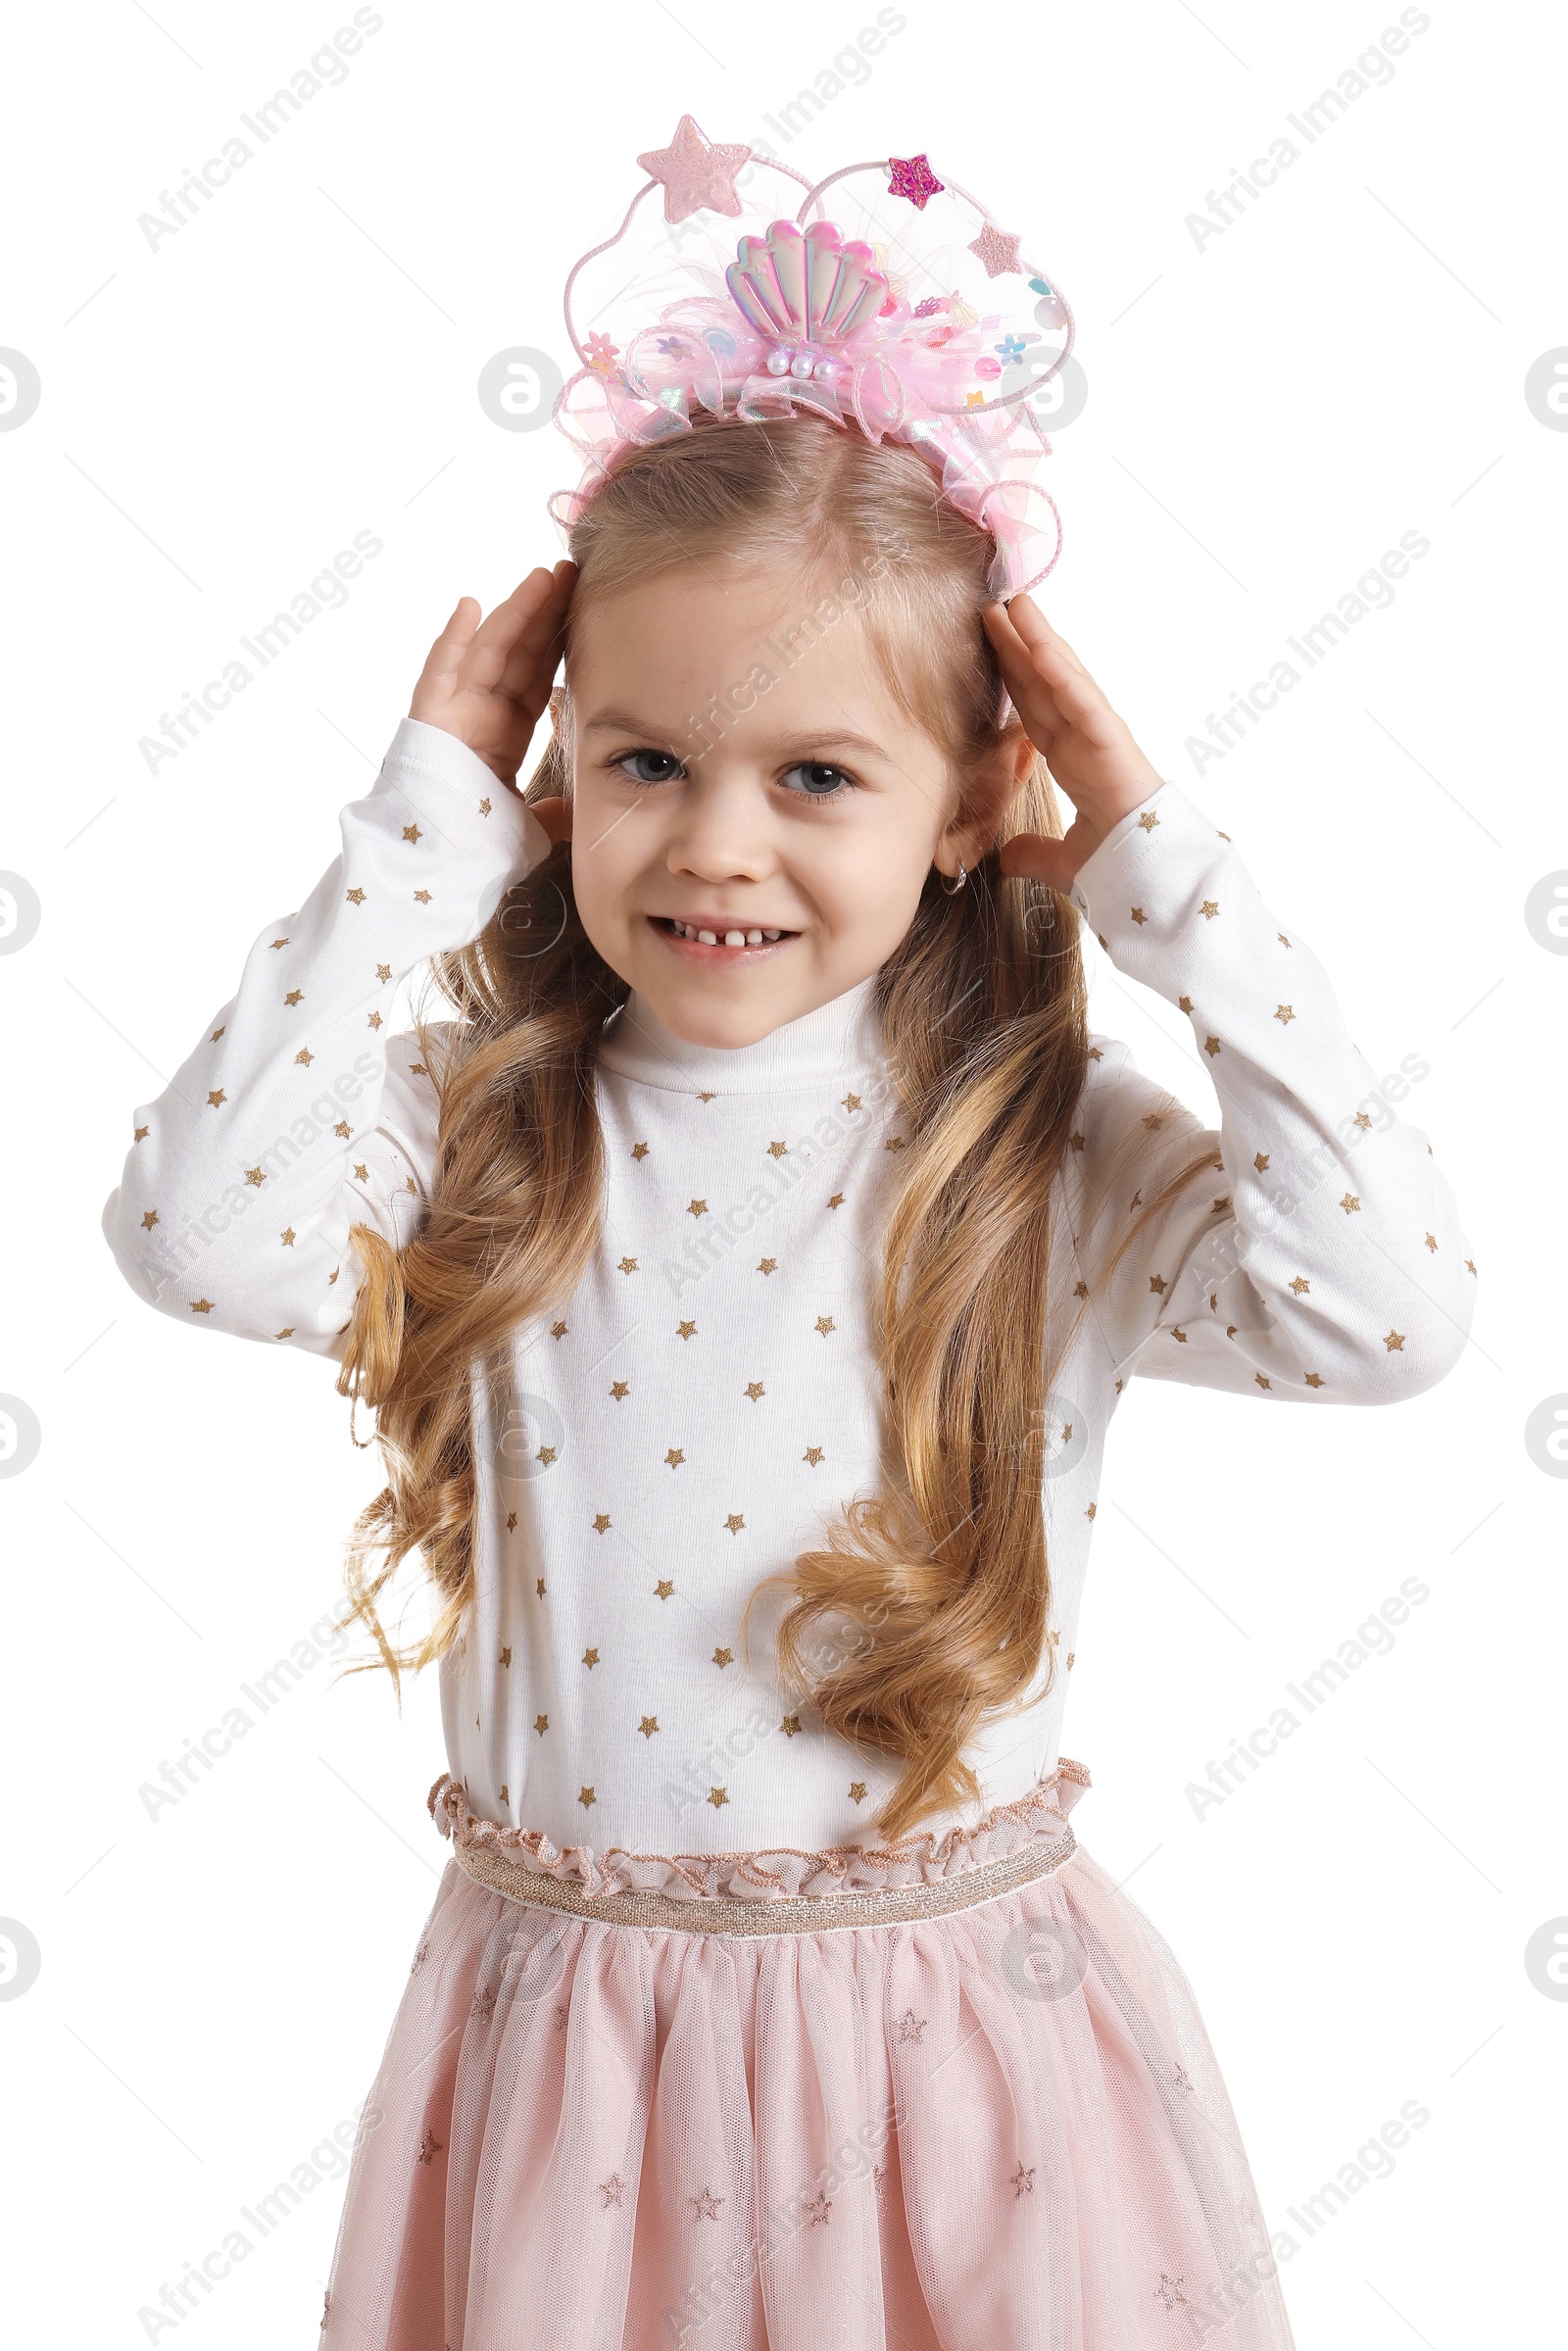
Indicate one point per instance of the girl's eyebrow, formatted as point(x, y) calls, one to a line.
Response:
point(626, 722)
point(837, 738)
point(832, 738)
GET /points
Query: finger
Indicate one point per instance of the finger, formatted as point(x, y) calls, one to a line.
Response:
point(1009, 641)
point(536, 606)
point(529, 615)
point(1035, 856)
point(1033, 628)
point(445, 656)
point(1032, 695)
point(1050, 661)
point(535, 655)
point(1029, 631)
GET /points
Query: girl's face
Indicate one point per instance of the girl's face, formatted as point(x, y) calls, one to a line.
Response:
point(743, 851)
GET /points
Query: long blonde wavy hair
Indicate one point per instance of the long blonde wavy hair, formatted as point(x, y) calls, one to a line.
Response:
point(925, 1610)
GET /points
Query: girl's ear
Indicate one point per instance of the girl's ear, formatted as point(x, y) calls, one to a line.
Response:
point(557, 702)
point(990, 793)
point(1020, 753)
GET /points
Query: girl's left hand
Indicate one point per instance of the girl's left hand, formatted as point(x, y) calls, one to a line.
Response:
point(1089, 750)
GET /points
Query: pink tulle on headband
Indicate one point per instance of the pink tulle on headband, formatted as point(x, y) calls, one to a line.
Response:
point(878, 319)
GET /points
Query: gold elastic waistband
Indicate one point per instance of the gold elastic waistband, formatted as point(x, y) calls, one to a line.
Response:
point(785, 1914)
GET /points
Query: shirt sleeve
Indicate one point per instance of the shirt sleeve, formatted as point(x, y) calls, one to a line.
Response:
point(299, 1113)
point(1309, 1249)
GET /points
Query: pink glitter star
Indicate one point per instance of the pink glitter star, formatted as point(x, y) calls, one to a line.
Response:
point(912, 177)
point(998, 250)
point(695, 173)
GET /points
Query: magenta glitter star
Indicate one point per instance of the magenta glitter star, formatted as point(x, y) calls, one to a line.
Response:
point(998, 250)
point(912, 177)
point(695, 173)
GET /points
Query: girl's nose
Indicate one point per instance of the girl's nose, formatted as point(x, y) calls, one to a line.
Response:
point(722, 832)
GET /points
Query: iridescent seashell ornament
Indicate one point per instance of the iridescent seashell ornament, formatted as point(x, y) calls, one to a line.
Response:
point(811, 285)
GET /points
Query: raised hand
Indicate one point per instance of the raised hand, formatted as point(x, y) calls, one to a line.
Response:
point(1090, 750)
point(488, 682)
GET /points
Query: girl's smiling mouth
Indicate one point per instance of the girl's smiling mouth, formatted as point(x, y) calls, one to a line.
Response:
point(718, 938)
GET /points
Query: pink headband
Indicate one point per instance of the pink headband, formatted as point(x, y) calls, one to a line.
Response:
point(893, 330)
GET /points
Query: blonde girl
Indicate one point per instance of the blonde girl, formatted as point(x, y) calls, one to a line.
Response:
point(744, 1278)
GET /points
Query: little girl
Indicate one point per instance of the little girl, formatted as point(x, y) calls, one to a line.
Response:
point(744, 1280)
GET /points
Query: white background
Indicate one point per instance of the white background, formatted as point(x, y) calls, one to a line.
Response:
point(1269, 411)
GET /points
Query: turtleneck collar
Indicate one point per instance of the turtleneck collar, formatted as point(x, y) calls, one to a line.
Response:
point(843, 1034)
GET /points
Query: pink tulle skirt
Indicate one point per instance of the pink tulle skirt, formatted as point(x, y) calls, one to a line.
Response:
point(1002, 2129)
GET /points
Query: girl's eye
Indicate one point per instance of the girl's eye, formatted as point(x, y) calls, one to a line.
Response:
point(818, 780)
point(665, 762)
point(822, 782)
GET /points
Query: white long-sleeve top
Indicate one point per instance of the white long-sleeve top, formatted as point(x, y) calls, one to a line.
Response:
point(694, 1416)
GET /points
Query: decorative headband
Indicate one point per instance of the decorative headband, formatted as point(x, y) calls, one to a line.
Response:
point(898, 330)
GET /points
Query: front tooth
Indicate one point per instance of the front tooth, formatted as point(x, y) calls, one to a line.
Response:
point(753, 938)
point(707, 939)
point(734, 938)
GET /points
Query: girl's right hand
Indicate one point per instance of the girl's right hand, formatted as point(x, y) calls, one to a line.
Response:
point(488, 682)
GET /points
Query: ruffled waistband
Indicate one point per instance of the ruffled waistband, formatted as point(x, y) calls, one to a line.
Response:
point(922, 1858)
